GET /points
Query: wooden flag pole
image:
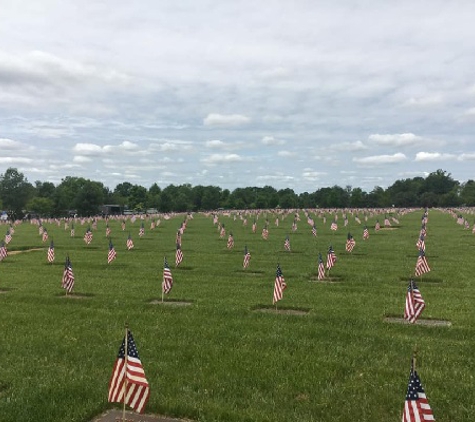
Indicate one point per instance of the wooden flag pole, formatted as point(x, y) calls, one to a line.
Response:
point(125, 366)
point(414, 355)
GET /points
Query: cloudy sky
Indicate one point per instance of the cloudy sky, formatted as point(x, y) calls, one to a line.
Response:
point(301, 94)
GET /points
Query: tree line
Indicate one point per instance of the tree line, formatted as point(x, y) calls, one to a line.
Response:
point(85, 197)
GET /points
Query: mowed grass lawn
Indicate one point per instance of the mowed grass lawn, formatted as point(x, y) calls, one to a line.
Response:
point(219, 359)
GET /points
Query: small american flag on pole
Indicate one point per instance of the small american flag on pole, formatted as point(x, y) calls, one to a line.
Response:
point(287, 244)
point(128, 384)
point(178, 255)
point(3, 251)
point(421, 244)
point(365, 233)
point(314, 231)
point(422, 266)
point(414, 303)
point(334, 225)
point(230, 243)
point(72, 230)
point(112, 254)
point(321, 267)
point(416, 405)
point(50, 254)
point(45, 235)
point(331, 258)
point(67, 281)
point(167, 283)
point(108, 230)
point(279, 285)
point(130, 242)
point(247, 258)
point(142, 230)
point(8, 237)
point(350, 243)
point(377, 225)
point(88, 236)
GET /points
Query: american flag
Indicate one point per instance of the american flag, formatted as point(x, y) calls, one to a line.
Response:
point(68, 276)
point(254, 226)
point(287, 244)
point(265, 233)
point(321, 267)
point(3, 251)
point(421, 244)
point(416, 405)
point(365, 233)
point(72, 230)
point(414, 303)
point(294, 226)
point(108, 231)
point(247, 258)
point(8, 237)
point(230, 243)
point(112, 253)
point(279, 285)
point(422, 266)
point(331, 257)
point(167, 283)
point(350, 243)
point(377, 225)
point(88, 236)
point(123, 225)
point(387, 223)
point(45, 235)
point(178, 255)
point(314, 230)
point(222, 232)
point(128, 383)
point(142, 230)
point(130, 242)
point(50, 254)
point(334, 226)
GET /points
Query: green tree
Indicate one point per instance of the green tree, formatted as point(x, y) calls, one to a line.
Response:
point(15, 191)
point(42, 206)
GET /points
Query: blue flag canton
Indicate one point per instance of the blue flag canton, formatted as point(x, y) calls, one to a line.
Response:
point(414, 387)
point(131, 347)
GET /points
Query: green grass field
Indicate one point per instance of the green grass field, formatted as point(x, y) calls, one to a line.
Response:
point(219, 359)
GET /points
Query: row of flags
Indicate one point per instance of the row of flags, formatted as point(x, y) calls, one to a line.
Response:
point(128, 384)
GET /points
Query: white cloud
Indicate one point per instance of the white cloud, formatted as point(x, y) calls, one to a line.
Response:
point(396, 140)
point(225, 120)
point(171, 145)
point(128, 146)
point(9, 144)
point(221, 159)
point(286, 154)
point(270, 140)
point(87, 149)
point(467, 156)
point(433, 156)
point(15, 160)
point(216, 143)
point(428, 101)
point(470, 112)
point(350, 146)
point(381, 159)
point(81, 159)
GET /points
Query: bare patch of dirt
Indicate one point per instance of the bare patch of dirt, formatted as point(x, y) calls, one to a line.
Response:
point(420, 321)
point(170, 302)
point(26, 250)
